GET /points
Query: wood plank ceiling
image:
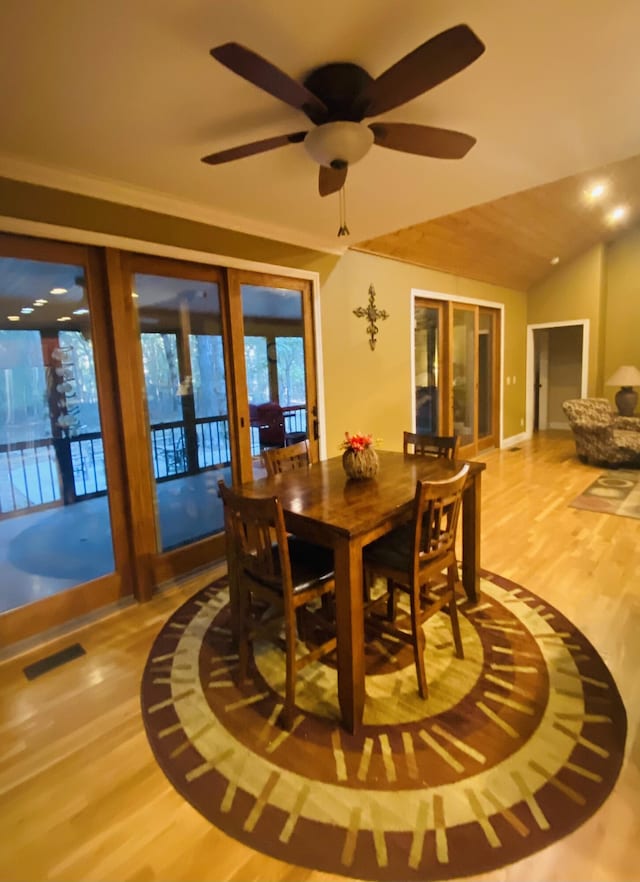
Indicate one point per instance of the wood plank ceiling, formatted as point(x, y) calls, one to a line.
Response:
point(511, 241)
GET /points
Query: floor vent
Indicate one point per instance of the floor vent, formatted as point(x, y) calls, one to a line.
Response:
point(53, 661)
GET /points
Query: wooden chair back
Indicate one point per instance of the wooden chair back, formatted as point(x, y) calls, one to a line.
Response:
point(436, 512)
point(256, 539)
point(269, 565)
point(444, 446)
point(283, 459)
point(412, 559)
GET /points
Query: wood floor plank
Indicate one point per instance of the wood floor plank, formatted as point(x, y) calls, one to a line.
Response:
point(81, 797)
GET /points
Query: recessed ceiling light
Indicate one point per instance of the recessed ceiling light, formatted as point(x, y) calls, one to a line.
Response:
point(134, 295)
point(618, 213)
point(555, 260)
point(64, 318)
point(13, 318)
point(58, 291)
point(81, 312)
point(596, 191)
point(40, 302)
point(26, 310)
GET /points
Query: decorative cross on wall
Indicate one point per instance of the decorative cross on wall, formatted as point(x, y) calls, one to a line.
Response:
point(372, 314)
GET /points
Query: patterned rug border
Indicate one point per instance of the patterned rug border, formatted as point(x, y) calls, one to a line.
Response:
point(432, 848)
point(615, 492)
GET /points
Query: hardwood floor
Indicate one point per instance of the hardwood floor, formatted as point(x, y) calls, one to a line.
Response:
point(81, 797)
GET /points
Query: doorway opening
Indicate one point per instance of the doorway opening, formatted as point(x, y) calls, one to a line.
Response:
point(557, 369)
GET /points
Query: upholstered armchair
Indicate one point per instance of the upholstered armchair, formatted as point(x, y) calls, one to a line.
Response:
point(603, 437)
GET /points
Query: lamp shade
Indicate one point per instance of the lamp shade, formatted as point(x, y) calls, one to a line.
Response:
point(338, 144)
point(626, 375)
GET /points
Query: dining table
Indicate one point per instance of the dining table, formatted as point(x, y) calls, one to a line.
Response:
point(322, 505)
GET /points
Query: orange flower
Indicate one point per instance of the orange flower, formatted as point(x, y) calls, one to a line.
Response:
point(356, 442)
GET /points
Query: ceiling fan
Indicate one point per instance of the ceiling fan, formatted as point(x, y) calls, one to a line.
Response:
point(337, 97)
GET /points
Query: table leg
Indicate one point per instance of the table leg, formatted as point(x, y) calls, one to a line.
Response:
point(471, 537)
point(350, 631)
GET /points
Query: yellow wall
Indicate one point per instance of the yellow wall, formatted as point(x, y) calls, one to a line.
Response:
point(365, 390)
point(575, 291)
point(602, 285)
point(622, 319)
point(370, 391)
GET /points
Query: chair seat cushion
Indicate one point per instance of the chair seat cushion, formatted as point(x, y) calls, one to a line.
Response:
point(393, 550)
point(627, 441)
point(311, 565)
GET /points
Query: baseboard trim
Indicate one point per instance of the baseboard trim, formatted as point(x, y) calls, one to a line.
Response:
point(515, 439)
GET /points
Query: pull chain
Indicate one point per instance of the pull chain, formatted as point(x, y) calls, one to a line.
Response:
point(344, 229)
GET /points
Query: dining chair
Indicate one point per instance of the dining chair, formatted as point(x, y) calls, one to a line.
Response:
point(270, 419)
point(413, 559)
point(445, 446)
point(278, 570)
point(284, 459)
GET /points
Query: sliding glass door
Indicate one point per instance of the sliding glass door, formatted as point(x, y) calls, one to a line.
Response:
point(62, 545)
point(129, 386)
point(463, 356)
point(274, 351)
point(457, 362)
point(221, 371)
point(429, 367)
point(277, 383)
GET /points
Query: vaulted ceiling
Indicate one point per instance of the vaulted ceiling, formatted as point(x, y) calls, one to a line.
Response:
point(122, 99)
point(518, 240)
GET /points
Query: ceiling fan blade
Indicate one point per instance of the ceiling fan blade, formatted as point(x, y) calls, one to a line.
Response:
point(331, 180)
point(431, 63)
point(423, 140)
point(269, 78)
point(255, 147)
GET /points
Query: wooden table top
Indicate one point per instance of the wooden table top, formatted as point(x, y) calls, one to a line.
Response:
point(323, 495)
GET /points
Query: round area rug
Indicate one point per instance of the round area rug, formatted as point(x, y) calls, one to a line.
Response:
point(516, 746)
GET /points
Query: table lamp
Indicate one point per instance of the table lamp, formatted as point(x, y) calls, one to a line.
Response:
point(626, 398)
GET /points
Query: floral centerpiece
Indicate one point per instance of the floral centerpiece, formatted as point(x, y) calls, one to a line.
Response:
point(359, 459)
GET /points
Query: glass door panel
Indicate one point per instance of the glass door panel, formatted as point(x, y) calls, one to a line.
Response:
point(428, 360)
point(463, 354)
point(181, 338)
point(274, 353)
point(486, 375)
point(55, 522)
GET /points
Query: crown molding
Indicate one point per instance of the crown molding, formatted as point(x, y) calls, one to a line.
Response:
point(138, 197)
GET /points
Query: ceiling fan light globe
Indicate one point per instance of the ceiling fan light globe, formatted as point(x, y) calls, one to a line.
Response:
point(338, 144)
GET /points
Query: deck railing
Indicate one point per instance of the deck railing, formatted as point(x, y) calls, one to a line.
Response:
point(33, 473)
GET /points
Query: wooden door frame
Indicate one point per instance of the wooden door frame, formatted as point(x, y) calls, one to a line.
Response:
point(585, 324)
point(443, 374)
point(492, 439)
point(59, 608)
point(435, 297)
point(236, 278)
point(154, 565)
point(466, 450)
point(126, 377)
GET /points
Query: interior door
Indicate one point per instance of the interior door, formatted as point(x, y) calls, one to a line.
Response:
point(64, 541)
